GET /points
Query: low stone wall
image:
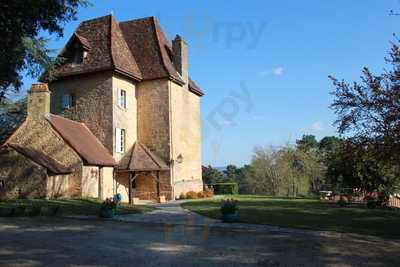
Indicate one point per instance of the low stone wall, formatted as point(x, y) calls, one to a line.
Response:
point(21, 177)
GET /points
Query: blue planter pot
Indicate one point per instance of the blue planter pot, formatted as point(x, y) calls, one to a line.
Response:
point(230, 218)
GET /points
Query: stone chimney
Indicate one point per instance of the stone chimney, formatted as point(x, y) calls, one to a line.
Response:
point(38, 100)
point(180, 57)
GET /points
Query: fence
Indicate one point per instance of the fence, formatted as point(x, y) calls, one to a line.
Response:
point(394, 202)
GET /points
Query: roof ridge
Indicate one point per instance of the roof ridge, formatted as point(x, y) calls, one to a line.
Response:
point(149, 153)
point(158, 44)
point(139, 19)
point(119, 36)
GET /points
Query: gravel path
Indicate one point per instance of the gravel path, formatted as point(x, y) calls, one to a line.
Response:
point(58, 242)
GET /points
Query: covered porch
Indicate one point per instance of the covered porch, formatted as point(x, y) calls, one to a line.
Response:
point(146, 176)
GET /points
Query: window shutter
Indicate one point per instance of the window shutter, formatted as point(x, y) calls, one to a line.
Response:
point(119, 97)
point(126, 100)
point(118, 140)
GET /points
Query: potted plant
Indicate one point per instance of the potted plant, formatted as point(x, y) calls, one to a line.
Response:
point(108, 208)
point(229, 210)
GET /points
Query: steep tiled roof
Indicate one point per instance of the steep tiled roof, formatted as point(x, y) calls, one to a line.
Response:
point(149, 46)
point(108, 50)
point(40, 158)
point(82, 140)
point(140, 158)
point(136, 48)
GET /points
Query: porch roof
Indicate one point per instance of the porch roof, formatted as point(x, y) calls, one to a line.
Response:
point(140, 158)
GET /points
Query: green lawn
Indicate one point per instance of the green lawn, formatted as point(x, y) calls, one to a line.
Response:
point(25, 207)
point(306, 214)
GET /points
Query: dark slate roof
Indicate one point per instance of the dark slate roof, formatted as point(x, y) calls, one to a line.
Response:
point(82, 140)
point(140, 158)
point(136, 48)
point(40, 158)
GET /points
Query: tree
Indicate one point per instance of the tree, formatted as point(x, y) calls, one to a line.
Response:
point(12, 115)
point(211, 175)
point(307, 142)
point(329, 144)
point(22, 50)
point(232, 173)
point(369, 112)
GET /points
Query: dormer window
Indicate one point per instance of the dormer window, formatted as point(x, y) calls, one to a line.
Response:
point(67, 101)
point(78, 55)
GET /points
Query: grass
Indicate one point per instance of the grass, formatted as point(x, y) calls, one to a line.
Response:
point(24, 207)
point(306, 214)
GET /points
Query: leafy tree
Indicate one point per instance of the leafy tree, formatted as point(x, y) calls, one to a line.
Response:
point(329, 144)
point(11, 116)
point(307, 142)
point(22, 49)
point(369, 111)
point(232, 173)
point(211, 175)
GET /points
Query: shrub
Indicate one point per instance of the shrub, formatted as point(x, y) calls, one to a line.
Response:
point(182, 196)
point(341, 202)
point(229, 206)
point(208, 193)
point(191, 195)
point(226, 188)
point(108, 208)
point(200, 194)
point(371, 202)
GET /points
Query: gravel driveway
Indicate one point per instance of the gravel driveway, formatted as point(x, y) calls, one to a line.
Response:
point(71, 242)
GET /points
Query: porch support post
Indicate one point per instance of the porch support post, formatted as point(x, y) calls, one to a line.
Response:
point(130, 188)
point(158, 183)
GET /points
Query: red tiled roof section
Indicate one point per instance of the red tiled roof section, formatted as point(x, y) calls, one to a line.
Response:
point(148, 43)
point(121, 55)
point(108, 50)
point(194, 88)
point(85, 43)
point(140, 158)
point(40, 158)
point(82, 140)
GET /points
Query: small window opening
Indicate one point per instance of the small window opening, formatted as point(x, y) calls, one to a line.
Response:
point(68, 101)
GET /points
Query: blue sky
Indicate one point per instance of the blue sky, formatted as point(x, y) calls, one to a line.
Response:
point(264, 65)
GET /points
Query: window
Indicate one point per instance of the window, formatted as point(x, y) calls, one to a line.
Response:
point(119, 140)
point(121, 98)
point(67, 101)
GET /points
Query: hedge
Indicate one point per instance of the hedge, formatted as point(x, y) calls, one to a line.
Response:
point(226, 188)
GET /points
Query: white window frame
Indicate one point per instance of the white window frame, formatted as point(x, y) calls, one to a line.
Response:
point(67, 101)
point(122, 103)
point(120, 137)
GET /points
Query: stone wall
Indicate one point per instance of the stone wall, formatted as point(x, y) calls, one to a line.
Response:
point(153, 116)
point(90, 181)
point(107, 182)
point(186, 139)
point(93, 103)
point(37, 133)
point(124, 118)
point(57, 186)
point(22, 177)
point(121, 185)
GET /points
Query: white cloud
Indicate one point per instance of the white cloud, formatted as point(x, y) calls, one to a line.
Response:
point(317, 126)
point(277, 71)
